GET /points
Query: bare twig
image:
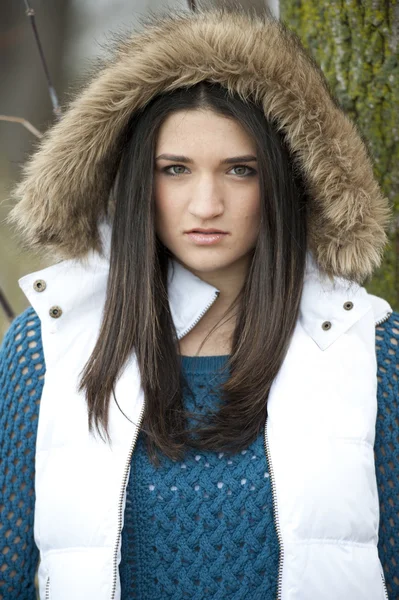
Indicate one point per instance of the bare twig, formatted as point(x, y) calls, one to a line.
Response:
point(23, 122)
point(5, 305)
point(54, 99)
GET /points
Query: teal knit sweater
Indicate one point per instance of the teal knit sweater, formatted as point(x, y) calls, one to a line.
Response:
point(204, 527)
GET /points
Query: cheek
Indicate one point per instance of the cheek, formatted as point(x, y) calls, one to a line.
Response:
point(254, 202)
point(248, 220)
point(161, 201)
point(248, 211)
point(167, 211)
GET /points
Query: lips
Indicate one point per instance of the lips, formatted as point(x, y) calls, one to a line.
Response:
point(206, 231)
point(206, 237)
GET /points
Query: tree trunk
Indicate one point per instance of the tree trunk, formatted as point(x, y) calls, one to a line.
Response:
point(356, 45)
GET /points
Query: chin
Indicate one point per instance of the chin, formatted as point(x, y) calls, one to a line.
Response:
point(207, 264)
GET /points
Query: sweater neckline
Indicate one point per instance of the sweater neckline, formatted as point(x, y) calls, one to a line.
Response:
point(203, 364)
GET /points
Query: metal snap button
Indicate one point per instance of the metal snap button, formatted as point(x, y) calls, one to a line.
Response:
point(39, 285)
point(348, 305)
point(326, 325)
point(55, 312)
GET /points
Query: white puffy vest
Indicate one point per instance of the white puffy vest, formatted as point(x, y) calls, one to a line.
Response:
point(319, 437)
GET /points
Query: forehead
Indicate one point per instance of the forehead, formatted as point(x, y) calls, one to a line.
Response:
point(197, 128)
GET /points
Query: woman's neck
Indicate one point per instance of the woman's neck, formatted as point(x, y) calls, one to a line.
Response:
point(229, 281)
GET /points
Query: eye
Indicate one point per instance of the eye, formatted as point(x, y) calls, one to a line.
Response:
point(166, 170)
point(251, 171)
point(247, 170)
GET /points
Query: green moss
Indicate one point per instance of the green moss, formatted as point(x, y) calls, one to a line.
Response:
point(356, 45)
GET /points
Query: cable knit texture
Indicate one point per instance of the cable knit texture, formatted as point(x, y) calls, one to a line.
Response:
point(203, 527)
point(195, 540)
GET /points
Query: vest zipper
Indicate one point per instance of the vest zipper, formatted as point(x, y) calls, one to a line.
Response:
point(120, 505)
point(385, 318)
point(47, 589)
point(385, 586)
point(275, 515)
point(198, 319)
point(127, 466)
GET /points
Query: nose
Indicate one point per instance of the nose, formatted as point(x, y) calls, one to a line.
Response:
point(206, 201)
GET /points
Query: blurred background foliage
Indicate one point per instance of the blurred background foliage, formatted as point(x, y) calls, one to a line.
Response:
point(355, 42)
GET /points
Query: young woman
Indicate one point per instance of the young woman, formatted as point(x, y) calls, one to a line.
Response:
point(189, 405)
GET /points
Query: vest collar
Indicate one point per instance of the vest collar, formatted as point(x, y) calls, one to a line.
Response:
point(327, 308)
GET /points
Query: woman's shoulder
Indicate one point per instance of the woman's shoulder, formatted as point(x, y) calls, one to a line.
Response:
point(387, 347)
point(24, 328)
point(22, 367)
point(387, 351)
point(22, 346)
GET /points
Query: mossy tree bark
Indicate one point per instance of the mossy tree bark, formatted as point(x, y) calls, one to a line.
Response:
point(356, 43)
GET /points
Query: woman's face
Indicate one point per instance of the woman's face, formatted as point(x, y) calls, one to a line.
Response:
point(204, 186)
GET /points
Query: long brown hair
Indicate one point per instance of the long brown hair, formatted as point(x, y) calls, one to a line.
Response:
point(137, 316)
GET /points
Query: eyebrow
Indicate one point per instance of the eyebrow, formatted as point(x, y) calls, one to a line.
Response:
point(226, 161)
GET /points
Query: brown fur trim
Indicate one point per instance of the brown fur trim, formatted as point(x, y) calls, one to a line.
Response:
point(66, 183)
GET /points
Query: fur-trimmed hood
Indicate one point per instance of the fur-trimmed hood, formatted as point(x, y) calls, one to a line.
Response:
point(66, 184)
